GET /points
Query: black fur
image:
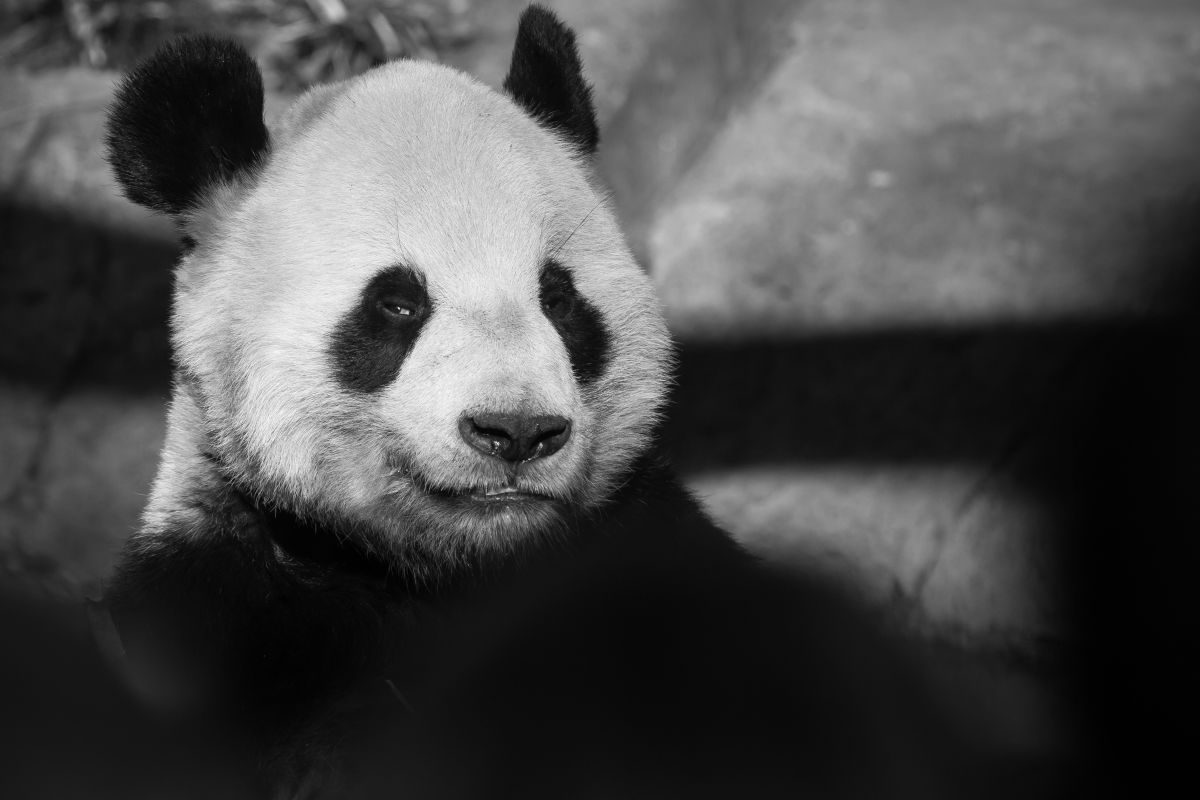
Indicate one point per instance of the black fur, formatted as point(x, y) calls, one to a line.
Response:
point(373, 338)
point(255, 622)
point(647, 655)
point(296, 636)
point(189, 116)
point(577, 321)
point(546, 78)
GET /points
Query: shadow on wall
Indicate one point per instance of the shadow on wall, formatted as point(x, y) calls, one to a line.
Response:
point(84, 376)
point(84, 306)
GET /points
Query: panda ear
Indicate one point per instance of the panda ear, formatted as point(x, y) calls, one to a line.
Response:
point(189, 116)
point(546, 78)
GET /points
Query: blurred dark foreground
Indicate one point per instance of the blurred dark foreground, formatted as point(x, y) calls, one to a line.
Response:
point(617, 676)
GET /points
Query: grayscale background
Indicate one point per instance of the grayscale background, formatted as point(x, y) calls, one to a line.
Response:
point(928, 263)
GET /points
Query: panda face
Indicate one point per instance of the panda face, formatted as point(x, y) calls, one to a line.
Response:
point(420, 319)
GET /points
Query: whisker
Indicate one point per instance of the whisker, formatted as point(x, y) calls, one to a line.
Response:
point(575, 230)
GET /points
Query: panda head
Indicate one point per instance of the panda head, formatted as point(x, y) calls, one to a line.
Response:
point(406, 312)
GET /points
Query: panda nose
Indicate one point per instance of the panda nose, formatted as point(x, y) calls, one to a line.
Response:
point(514, 437)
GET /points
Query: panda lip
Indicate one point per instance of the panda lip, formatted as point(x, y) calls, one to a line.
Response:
point(493, 494)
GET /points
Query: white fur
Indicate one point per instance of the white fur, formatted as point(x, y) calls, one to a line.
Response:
point(419, 165)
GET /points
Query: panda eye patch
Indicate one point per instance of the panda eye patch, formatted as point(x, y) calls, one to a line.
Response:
point(372, 339)
point(577, 321)
point(557, 292)
point(397, 295)
point(557, 304)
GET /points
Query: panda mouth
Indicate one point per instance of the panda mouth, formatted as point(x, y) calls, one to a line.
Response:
point(508, 494)
point(505, 494)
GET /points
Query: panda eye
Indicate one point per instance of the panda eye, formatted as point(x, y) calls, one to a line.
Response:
point(397, 308)
point(557, 303)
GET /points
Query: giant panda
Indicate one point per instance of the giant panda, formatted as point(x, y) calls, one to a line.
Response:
point(411, 465)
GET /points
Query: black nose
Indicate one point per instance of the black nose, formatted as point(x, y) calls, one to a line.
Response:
point(514, 437)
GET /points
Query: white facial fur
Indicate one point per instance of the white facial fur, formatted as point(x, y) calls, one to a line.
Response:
point(417, 165)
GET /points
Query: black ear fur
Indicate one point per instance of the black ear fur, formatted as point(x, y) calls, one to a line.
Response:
point(546, 78)
point(188, 116)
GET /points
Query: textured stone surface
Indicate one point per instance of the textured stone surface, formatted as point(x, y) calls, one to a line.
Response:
point(898, 268)
point(921, 161)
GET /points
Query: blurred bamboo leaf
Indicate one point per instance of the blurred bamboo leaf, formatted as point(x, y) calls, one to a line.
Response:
point(298, 42)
